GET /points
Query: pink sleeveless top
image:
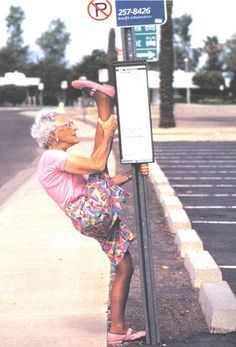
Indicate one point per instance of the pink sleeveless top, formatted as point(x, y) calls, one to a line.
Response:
point(60, 185)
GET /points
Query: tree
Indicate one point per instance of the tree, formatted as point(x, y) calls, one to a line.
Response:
point(182, 44)
point(111, 54)
point(209, 80)
point(51, 74)
point(214, 50)
point(12, 95)
point(90, 65)
point(53, 42)
point(51, 68)
point(14, 26)
point(14, 56)
point(230, 61)
point(182, 39)
point(166, 72)
point(229, 56)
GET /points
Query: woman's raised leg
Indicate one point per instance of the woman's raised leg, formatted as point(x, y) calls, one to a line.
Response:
point(104, 112)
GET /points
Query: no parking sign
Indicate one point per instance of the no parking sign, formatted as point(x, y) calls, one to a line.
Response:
point(99, 10)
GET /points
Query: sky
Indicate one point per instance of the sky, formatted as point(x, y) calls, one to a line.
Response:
point(210, 17)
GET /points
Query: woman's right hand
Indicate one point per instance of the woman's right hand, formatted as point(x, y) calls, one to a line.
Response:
point(109, 126)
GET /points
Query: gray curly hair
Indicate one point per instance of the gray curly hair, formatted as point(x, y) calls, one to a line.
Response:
point(45, 123)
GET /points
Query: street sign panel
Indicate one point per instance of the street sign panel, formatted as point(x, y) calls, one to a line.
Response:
point(146, 42)
point(140, 12)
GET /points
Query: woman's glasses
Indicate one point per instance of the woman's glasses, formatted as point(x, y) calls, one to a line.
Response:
point(69, 123)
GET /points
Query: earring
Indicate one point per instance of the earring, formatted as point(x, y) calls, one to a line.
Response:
point(57, 140)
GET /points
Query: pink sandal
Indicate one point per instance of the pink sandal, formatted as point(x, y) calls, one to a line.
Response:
point(103, 88)
point(129, 336)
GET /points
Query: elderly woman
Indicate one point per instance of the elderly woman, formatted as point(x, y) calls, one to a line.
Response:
point(88, 195)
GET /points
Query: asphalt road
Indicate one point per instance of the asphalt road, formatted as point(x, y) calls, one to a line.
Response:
point(18, 150)
point(203, 175)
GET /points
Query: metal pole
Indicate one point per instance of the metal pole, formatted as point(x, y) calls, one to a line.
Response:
point(143, 230)
point(188, 89)
point(128, 43)
point(145, 256)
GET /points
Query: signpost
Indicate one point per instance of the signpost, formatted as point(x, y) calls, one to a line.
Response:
point(136, 146)
point(130, 76)
point(146, 42)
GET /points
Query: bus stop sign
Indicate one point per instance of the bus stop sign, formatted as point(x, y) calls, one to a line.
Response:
point(140, 12)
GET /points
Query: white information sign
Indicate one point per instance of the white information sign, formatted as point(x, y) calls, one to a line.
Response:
point(134, 119)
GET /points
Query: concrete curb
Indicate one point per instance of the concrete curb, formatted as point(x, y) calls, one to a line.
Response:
point(219, 306)
point(187, 240)
point(202, 268)
point(203, 271)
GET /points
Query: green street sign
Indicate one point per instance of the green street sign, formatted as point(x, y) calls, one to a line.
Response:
point(146, 42)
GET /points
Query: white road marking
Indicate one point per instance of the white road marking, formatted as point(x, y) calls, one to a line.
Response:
point(198, 161)
point(195, 157)
point(203, 185)
point(202, 172)
point(202, 178)
point(212, 222)
point(206, 195)
point(206, 166)
point(227, 266)
point(210, 207)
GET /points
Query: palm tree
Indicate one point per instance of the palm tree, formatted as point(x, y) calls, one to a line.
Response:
point(111, 54)
point(167, 119)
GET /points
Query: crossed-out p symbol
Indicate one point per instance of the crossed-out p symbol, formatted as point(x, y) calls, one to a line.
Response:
point(99, 10)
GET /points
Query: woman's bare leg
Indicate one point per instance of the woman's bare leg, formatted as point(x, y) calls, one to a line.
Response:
point(119, 294)
point(104, 112)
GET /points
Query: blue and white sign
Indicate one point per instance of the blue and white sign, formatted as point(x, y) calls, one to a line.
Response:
point(146, 42)
point(140, 12)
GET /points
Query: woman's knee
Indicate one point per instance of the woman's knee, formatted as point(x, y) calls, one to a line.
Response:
point(130, 262)
point(126, 267)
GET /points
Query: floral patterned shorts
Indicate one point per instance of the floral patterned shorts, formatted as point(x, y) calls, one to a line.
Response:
point(96, 214)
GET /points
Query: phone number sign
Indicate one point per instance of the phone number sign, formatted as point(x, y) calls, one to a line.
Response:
point(140, 12)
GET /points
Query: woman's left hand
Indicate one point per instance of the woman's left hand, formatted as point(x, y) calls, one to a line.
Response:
point(121, 179)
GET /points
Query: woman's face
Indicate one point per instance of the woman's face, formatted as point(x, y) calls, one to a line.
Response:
point(66, 131)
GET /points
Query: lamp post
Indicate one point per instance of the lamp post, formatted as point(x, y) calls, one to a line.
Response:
point(188, 89)
point(41, 88)
point(222, 88)
point(64, 86)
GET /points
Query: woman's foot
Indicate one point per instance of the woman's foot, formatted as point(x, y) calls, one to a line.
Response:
point(94, 86)
point(130, 335)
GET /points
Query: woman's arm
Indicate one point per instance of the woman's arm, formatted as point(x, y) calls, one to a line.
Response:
point(121, 179)
point(97, 162)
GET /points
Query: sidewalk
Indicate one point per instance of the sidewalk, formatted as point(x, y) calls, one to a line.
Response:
point(54, 282)
point(198, 123)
